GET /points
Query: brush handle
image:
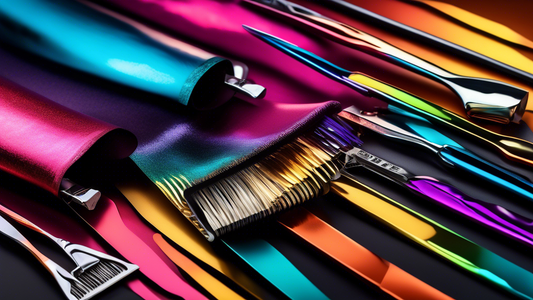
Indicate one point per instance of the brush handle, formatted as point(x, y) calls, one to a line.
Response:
point(69, 284)
point(83, 259)
point(512, 148)
point(494, 216)
point(10, 231)
point(23, 221)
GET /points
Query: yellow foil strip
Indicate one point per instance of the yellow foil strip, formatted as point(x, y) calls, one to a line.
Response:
point(152, 205)
point(206, 280)
point(410, 225)
point(478, 22)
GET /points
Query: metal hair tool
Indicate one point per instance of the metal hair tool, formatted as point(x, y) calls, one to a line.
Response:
point(313, 164)
point(428, 39)
point(415, 131)
point(513, 148)
point(482, 98)
point(73, 192)
point(496, 217)
point(96, 271)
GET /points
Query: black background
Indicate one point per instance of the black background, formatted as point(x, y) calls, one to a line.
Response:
point(21, 277)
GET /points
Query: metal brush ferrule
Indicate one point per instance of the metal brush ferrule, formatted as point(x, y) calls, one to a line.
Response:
point(358, 157)
point(73, 192)
point(299, 171)
point(245, 87)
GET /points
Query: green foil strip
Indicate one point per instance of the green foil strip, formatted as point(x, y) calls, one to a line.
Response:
point(437, 238)
point(273, 266)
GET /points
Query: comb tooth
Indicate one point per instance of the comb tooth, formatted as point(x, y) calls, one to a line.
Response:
point(95, 279)
point(101, 271)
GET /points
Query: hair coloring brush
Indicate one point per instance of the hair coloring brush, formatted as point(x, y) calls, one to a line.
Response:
point(298, 172)
point(308, 167)
point(96, 271)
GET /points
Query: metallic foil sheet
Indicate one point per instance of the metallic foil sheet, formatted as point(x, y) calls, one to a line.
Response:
point(41, 139)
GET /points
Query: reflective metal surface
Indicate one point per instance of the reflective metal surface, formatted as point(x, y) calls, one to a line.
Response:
point(78, 284)
point(447, 150)
point(83, 196)
point(426, 38)
point(513, 148)
point(498, 218)
point(482, 98)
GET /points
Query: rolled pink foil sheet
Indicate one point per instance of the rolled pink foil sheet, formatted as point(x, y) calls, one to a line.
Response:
point(40, 140)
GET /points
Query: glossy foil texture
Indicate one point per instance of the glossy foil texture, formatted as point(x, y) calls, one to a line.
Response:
point(437, 238)
point(491, 215)
point(78, 36)
point(41, 139)
point(390, 278)
point(218, 25)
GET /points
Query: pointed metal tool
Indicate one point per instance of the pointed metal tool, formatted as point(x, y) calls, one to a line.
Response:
point(513, 148)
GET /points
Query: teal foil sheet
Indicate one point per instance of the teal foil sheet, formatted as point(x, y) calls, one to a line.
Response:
point(80, 37)
point(274, 267)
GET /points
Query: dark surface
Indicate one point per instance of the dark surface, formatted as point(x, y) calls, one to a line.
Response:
point(21, 277)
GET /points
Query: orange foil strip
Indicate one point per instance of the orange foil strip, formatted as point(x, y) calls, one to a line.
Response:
point(388, 277)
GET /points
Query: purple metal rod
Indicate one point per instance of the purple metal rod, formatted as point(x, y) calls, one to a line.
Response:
point(491, 215)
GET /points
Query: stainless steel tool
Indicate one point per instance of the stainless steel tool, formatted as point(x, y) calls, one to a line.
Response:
point(482, 98)
point(428, 39)
point(96, 271)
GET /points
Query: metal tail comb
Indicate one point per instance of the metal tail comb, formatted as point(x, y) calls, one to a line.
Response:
point(482, 98)
point(297, 172)
point(96, 271)
point(511, 147)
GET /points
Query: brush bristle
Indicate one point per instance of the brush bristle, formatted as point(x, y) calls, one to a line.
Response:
point(96, 278)
point(297, 172)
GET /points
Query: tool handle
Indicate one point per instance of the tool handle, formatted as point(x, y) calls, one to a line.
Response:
point(359, 260)
point(436, 238)
point(348, 36)
point(482, 98)
point(477, 166)
point(491, 215)
point(512, 148)
point(23, 221)
point(10, 231)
